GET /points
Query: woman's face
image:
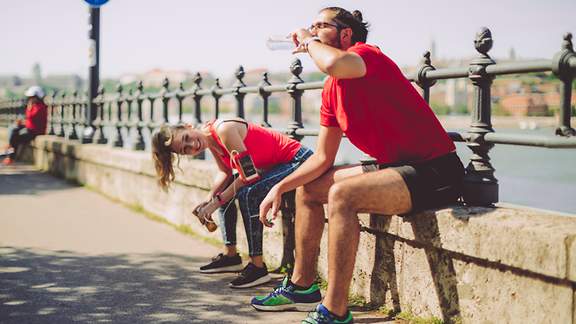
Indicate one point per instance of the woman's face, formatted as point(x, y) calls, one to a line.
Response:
point(32, 100)
point(189, 142)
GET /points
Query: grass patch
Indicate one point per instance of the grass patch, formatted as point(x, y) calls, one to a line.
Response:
point(409, 318)
point(322, 283)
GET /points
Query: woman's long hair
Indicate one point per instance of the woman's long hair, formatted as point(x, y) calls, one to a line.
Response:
point(163, 155)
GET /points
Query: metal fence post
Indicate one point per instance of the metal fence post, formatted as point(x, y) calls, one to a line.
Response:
point(480, 185)
point(561, 68)
point(239, 96)
point(179, 94)
point(165, 100)
point(139, 144)
point(119, 142)
point(288, 206)
point(265, 95)
point(52, 107)
point(296, 70)
point(151, 125)
point(197, 99)
point(423, 82)
point(100, 137)
point(61, 121)
point(73, 122)
point(129, 99)
point(216, 97)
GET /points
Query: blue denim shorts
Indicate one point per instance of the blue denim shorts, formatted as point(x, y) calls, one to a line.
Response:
point(249, 198)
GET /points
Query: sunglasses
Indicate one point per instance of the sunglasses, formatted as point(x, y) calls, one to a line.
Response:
point(322, 25)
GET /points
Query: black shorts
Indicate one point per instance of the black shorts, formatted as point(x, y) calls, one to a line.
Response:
point(433, 183)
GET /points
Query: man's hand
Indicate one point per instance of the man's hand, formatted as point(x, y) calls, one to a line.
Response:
point(272, 201)
point(19, 122)
point(298, 37)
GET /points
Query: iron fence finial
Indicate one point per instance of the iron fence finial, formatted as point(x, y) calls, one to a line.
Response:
point(239, 76)
point(197, 80)
point(483, 42)
point(567, 43)
point(296, 69)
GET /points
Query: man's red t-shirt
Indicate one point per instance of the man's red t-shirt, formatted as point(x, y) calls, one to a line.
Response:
point(382, 114)
point(36, 118)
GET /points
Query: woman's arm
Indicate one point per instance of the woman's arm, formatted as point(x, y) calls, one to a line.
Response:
point(221, 182)
point(223, 178)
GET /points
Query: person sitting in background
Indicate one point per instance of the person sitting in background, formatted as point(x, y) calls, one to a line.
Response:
point(33, 125)
point(262, 158)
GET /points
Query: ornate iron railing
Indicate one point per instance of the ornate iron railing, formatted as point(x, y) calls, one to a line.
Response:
point(123, 111)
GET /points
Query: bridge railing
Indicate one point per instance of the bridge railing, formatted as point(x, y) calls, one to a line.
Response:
point(123, 111)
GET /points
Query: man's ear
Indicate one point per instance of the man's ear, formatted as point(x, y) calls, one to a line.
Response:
point(346, 36)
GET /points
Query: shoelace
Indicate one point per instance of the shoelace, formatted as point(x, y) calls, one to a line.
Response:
point(318, 317)
point(218, 257)
point(244, 272)
point(278, 291)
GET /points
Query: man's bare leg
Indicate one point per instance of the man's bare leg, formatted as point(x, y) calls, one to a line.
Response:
point(381, 192)
point(309, 222)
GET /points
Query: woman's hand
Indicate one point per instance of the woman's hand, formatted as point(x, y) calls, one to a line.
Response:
point(272, 202)
point(196, 211)
point(207, 209)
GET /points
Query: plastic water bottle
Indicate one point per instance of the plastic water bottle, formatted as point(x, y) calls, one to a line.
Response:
point(279, 43)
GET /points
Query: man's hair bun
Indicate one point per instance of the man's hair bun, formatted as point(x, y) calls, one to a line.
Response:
point(358, 15)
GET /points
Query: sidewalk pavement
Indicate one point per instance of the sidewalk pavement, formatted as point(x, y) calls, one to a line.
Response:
point(68, 254)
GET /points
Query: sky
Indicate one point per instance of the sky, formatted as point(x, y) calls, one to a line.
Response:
point(218, 36)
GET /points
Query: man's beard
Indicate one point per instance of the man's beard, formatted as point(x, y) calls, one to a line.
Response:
point(335, 43)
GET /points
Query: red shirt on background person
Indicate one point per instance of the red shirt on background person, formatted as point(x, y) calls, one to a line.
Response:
point(36, 116)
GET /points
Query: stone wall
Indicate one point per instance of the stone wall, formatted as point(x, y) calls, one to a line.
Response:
point(483, 265)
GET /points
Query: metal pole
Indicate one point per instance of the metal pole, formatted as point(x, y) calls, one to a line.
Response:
point(93, 73)
point(480, 184)
point(239, 95)
point(296, 94)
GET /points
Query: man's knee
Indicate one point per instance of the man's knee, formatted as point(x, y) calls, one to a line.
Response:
point(341, 196)
point(307, 194)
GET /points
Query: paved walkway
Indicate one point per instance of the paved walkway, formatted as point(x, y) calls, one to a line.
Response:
point(70, 255)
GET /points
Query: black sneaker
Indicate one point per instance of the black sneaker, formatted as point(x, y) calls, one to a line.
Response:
point(251, 276)
point(223, 263)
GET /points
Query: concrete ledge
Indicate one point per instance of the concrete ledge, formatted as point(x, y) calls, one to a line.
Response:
point(484, 265)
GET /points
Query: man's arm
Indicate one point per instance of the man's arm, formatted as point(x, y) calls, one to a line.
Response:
point(323, 158)
point(330, 60)
point(336, 62)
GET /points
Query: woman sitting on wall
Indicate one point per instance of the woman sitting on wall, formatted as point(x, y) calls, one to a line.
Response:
point(35, 123)
point(261, 158)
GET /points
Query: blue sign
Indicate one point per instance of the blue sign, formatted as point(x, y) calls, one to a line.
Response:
point(96, 3)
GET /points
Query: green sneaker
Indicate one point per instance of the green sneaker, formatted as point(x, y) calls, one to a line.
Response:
point(322, 316)
point(286, 297)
